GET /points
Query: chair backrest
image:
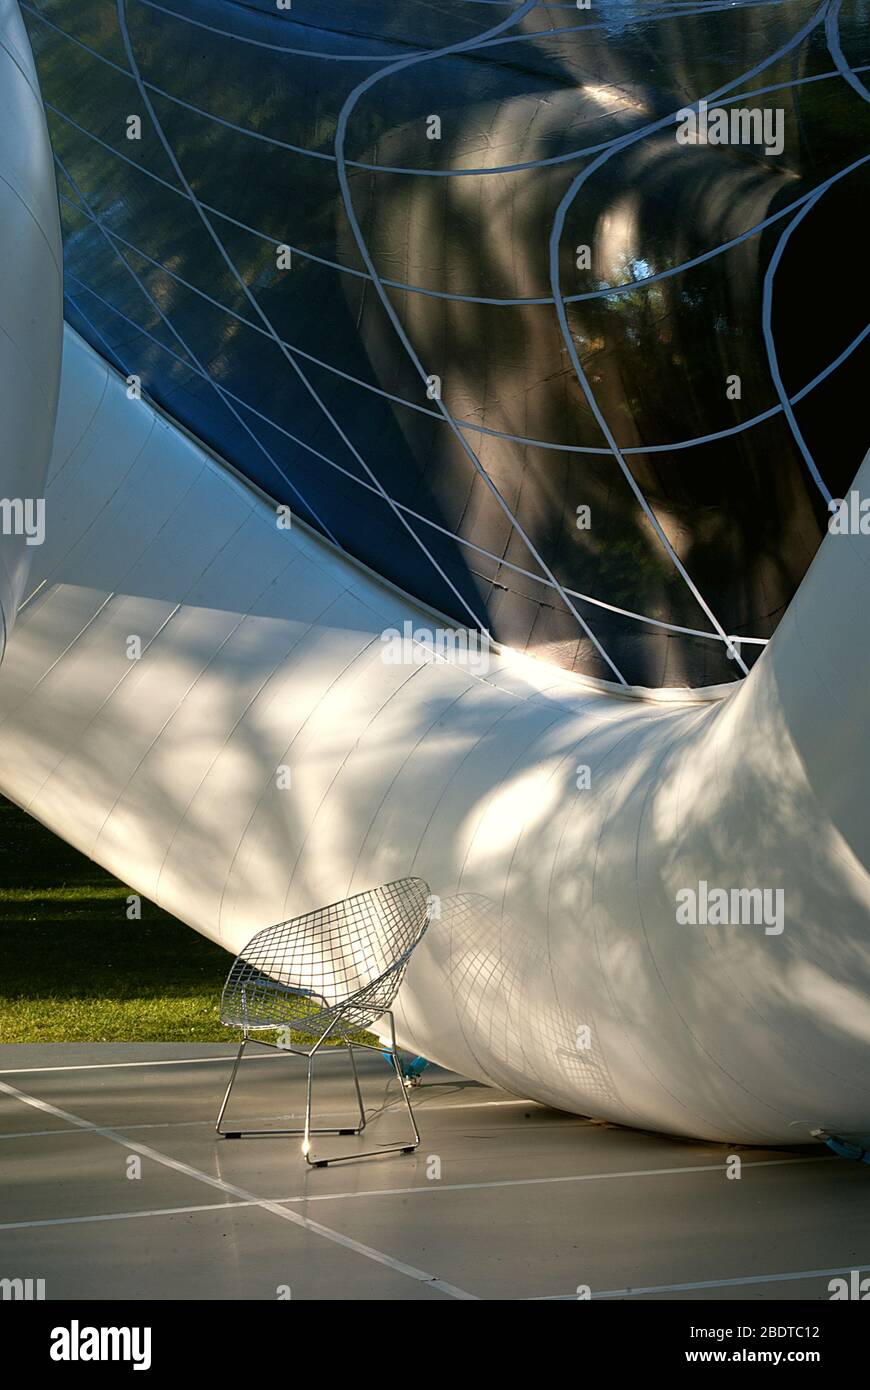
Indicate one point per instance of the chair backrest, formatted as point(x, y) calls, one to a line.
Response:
point(337, 950)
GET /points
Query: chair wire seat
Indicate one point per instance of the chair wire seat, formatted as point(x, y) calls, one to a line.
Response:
point(330, 973)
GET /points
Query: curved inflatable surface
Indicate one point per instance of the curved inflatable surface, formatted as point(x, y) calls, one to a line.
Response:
point(654, 906)
point(440, 274)
point(31, 311)
point(202, 702)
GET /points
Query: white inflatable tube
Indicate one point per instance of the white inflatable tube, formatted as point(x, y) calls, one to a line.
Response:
point(31, 310)
point(201, 701)
point(206, 704)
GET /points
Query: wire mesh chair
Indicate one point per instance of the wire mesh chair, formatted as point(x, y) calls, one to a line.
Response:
point(327, 975)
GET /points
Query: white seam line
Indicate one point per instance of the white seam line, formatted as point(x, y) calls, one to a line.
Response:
point(361, 482)
point(712, 1283)
point(202, 370)
point(543, 1182)
point(341, 171)
point(264, 317)
point(121, 1216)
point(192, 1062)
point(357, 1247)
point(576, 1123)
point(253, 1201)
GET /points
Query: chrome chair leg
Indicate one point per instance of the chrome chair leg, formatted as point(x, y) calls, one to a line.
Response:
point(405, 1089)
point(362, 1109)
point(307, 1131)
point(230, 1086)
point(306, 1142)
point(388, 1148)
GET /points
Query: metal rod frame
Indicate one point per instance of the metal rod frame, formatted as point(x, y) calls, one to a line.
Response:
point(307, 1131)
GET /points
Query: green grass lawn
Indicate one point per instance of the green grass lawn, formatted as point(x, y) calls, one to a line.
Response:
point(73, 968)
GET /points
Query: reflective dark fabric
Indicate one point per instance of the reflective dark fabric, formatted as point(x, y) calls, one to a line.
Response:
point(249, 101)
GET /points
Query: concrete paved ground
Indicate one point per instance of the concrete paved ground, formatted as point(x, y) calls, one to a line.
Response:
point(113, 1185)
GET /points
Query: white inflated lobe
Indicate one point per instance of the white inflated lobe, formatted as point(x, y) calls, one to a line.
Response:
point(558, 967)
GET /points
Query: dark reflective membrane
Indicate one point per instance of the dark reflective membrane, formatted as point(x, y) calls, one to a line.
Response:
point(645, 410)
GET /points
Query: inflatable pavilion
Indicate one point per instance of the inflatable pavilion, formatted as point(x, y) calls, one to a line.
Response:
point(433, 444)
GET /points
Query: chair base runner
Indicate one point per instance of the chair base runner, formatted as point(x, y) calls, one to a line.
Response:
point(253, 1133)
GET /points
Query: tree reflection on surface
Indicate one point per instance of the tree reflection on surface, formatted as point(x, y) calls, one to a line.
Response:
point(739, 510)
